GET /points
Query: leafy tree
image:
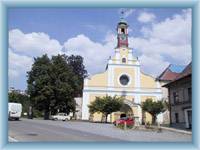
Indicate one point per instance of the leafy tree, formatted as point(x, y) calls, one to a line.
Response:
point(153, 107)
point(39, 85)
point(65, 83)
point(106, 105)
point(76, 62)
point(53, 83)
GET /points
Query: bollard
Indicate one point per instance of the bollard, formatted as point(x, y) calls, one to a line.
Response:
point(125, 126)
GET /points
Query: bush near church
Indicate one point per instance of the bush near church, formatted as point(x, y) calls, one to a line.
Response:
point(153, 107)
point(106, 105)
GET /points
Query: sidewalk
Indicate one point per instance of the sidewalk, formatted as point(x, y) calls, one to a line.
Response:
point(177, 130)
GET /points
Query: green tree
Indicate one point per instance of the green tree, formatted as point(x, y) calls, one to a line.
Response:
point(65, 84)
point(106, 105)
point(76, 62)
point(53, 83)
point(153, 107)
point(39, 85)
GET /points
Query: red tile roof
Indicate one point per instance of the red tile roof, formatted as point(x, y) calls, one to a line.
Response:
point(167, 75)
point(186, 72)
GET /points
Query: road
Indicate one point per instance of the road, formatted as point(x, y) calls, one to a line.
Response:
point(33, 130)
point(27, 130)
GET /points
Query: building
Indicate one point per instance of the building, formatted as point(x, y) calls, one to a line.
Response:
point(168, 75)
point(122, 77)
point(180, 99)
point(12, 89)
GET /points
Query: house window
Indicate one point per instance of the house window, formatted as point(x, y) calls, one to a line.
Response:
point(123, 60)
point(189, 94)
point(175, 97)
point(177, 118)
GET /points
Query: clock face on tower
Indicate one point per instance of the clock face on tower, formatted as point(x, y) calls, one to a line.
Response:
point(123, 37)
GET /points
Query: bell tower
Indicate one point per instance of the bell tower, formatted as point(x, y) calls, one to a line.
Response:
point(122, 33)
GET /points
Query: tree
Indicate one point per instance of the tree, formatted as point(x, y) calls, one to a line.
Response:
point(53, 83)
point(106, 105)
point(65, 84)
point(39, 85)
point(76, 62)
point(153, 107)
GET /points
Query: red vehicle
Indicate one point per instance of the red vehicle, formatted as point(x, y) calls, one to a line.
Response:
point(129, 121)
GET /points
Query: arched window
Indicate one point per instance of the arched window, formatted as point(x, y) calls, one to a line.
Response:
point(122, 30)
point(123, 60)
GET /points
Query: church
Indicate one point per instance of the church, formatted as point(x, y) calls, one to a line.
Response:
point(122, 77)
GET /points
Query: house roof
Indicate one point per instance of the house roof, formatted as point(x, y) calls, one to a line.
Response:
point(186, 72)
point(170, 73)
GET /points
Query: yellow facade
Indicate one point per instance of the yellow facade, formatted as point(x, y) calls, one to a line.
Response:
point(147, 81)
point(98, 79)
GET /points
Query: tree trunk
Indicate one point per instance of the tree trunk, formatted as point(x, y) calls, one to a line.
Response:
point(106, 117)
point(46, 115)
point(153, 119)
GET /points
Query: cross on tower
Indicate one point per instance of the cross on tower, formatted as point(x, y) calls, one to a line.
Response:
point(122, 13)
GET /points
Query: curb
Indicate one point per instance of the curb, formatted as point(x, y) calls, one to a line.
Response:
point(177, 130)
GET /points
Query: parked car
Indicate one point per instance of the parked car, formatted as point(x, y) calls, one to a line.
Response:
point(14, 111)
point(128, 120)
point(61, 116)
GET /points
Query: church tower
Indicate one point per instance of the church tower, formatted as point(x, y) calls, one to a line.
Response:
point(122, 34)
point(123, 53)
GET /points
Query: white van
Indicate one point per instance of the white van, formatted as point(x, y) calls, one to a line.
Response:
point(14, 110)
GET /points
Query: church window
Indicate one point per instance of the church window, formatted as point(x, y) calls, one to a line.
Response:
point(123, 60)
point(124, 79)
point(122, 30)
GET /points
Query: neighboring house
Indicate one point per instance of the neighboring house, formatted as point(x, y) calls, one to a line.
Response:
point(180, 99)
point(168, 75)
point(12, 89)
point(122, 77)
point(78, 113)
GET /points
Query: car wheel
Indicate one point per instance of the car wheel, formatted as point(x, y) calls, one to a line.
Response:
point(66, 119)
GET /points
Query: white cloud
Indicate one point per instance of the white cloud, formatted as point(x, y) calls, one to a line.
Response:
point(165, 42)
point(145, 17)
point(95, 54)
point(33, 44)
point(18, 65)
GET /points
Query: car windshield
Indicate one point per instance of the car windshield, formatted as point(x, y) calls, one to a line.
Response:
point(124, 118)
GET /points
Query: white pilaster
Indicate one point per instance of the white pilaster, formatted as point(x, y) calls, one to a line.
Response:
point(140, 113)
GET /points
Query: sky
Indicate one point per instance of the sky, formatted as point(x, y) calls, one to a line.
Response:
point(158, 37)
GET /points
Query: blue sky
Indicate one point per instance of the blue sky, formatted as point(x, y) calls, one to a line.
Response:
point(158, 36)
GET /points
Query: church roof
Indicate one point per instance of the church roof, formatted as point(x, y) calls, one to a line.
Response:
point(122, 21)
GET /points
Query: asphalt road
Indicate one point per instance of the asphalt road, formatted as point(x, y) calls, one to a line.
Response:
point(28, 130)
point(33, 130)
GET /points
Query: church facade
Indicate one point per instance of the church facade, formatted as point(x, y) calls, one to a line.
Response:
point(122, 77)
